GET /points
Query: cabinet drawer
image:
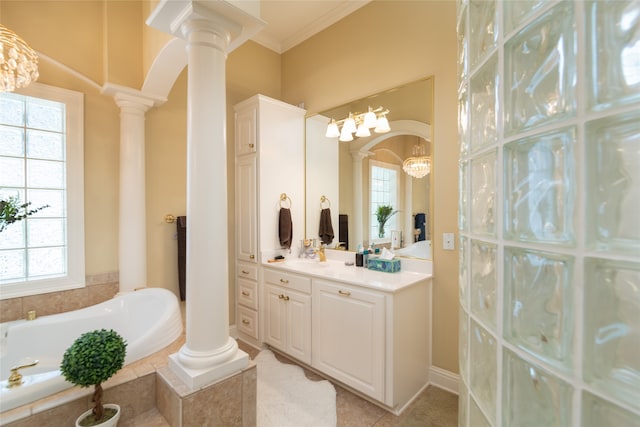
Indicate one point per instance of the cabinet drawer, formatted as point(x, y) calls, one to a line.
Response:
point(247, 321)
point(288, 280)
point(247, 271)
point(247, 293)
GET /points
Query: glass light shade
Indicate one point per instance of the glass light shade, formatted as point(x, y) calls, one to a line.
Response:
point(349, 124)
point(332, 129)
point(417, 167)
point(345, 135)
point(382, 125)
point(363, 130)
point(370, 119)
point(18, 62)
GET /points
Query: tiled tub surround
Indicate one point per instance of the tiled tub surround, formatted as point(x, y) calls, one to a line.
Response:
point(549, 124)
point(99, 288)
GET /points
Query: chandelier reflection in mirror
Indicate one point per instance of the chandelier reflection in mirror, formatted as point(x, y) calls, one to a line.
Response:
point(18, 62)
point(419, 164)
point(359, 124)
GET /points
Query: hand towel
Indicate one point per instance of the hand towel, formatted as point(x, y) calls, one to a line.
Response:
point(285, 228)
point(326, 229)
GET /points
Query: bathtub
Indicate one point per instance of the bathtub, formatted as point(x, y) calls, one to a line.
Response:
point(148, 319)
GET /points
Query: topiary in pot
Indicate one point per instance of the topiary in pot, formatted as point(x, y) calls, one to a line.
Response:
point(92, 359)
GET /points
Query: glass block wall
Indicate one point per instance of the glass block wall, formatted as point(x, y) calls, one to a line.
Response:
point(549, 212)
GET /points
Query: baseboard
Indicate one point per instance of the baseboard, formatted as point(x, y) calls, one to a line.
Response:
point(444, 379)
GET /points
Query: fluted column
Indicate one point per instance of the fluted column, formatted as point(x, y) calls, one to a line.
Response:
point(132, 254)
point(358, 232)
point(209, 28)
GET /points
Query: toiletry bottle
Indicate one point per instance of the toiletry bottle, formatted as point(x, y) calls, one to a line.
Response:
point(366, 258)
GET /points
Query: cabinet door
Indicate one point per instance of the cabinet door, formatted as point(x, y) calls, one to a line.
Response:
point(298, 327)
point(348, 336)
point(246, 131)
point(274, 317)
point(246, 223)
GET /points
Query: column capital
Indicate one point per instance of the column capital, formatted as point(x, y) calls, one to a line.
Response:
point(241, 19)
point(127, 97)
point(359, 155)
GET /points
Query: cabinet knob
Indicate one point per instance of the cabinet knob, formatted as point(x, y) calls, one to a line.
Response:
point(252, 145)
point(252, 256)
point(345, 293)
point(284, 281)
point(284, 297)
point(245, 322)
point(245, 272)
point(245, 293)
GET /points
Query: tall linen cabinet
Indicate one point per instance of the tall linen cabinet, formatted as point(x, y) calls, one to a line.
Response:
point(269, 175)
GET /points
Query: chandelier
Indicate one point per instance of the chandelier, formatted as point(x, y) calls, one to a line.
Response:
point(18, 62)
point(418, 165)
point(359, 123)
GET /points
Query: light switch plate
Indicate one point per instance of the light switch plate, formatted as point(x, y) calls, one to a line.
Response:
point(447, 242)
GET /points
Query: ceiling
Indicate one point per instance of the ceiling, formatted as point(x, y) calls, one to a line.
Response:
point(290, 22)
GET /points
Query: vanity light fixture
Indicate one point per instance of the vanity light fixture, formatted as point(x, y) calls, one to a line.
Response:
point(418, 165)
point(18, 62)
point(360, 124)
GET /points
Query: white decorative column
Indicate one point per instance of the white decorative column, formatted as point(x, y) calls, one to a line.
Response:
point(358, 223)
point(407, 232)
point(209, 354)
point(132, 251)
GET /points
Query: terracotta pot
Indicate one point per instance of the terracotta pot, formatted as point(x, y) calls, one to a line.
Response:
point(111, 422)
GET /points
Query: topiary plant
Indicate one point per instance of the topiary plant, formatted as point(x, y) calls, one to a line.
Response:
point(92, 359)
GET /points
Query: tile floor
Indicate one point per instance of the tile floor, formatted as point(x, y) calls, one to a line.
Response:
point(433, 408)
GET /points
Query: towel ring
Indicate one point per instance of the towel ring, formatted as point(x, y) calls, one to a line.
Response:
point(283, 201)
point(324, 200)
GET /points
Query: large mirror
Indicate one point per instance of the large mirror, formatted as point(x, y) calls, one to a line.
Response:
point(353, 179)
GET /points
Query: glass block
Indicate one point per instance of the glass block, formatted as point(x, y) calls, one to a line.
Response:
point(45, 232)
point(45, 115)
point(12, 141)
point(45, 145)
point(463, 195)
point(516, 12)
point(476, 417)
point(45, 174)
point(11, 109)
point(11, 172)
point(539, 188)
point(483, 293)
point(483, 107)
point(463, 277)
point(463, 345)
point(54, 199)
point(13, 236)
point(463, 403)
point(483, 30)
point(613, 53)
point(483, 369)
point(597, 412)
point(462, 44)
point(540, 74)
point(533, 397)
point(538, 308)
point(483, 194)
point(47, 262)
point(463, 121)
point(613, 165)
point(612, 328)
point(12, 263)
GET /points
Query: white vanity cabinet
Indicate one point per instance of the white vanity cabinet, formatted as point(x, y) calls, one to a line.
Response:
point(287, 314)
point(349, 335)
point(269, 162)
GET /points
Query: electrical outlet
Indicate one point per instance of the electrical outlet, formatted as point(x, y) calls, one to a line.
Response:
point(447, 242)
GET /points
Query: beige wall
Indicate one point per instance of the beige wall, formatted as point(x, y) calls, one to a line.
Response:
point(382, 45)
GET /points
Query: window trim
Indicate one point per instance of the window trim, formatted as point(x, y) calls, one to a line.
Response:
point(386, 165)
point(75, 277)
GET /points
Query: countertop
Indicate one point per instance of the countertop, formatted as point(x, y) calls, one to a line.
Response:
point(336, 270)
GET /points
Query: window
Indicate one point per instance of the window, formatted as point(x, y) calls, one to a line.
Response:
point(41, 162)
point(384, 185)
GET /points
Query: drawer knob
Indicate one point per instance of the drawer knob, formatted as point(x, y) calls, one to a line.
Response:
point(245, 293)
point(245, 272)
point(284, 281)
point(245, 322)
point(284, 297)
point(345, 293)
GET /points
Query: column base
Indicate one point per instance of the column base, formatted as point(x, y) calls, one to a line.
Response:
point(200, 377)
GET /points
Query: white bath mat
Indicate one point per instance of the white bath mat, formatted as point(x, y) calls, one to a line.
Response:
point(286, 398)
